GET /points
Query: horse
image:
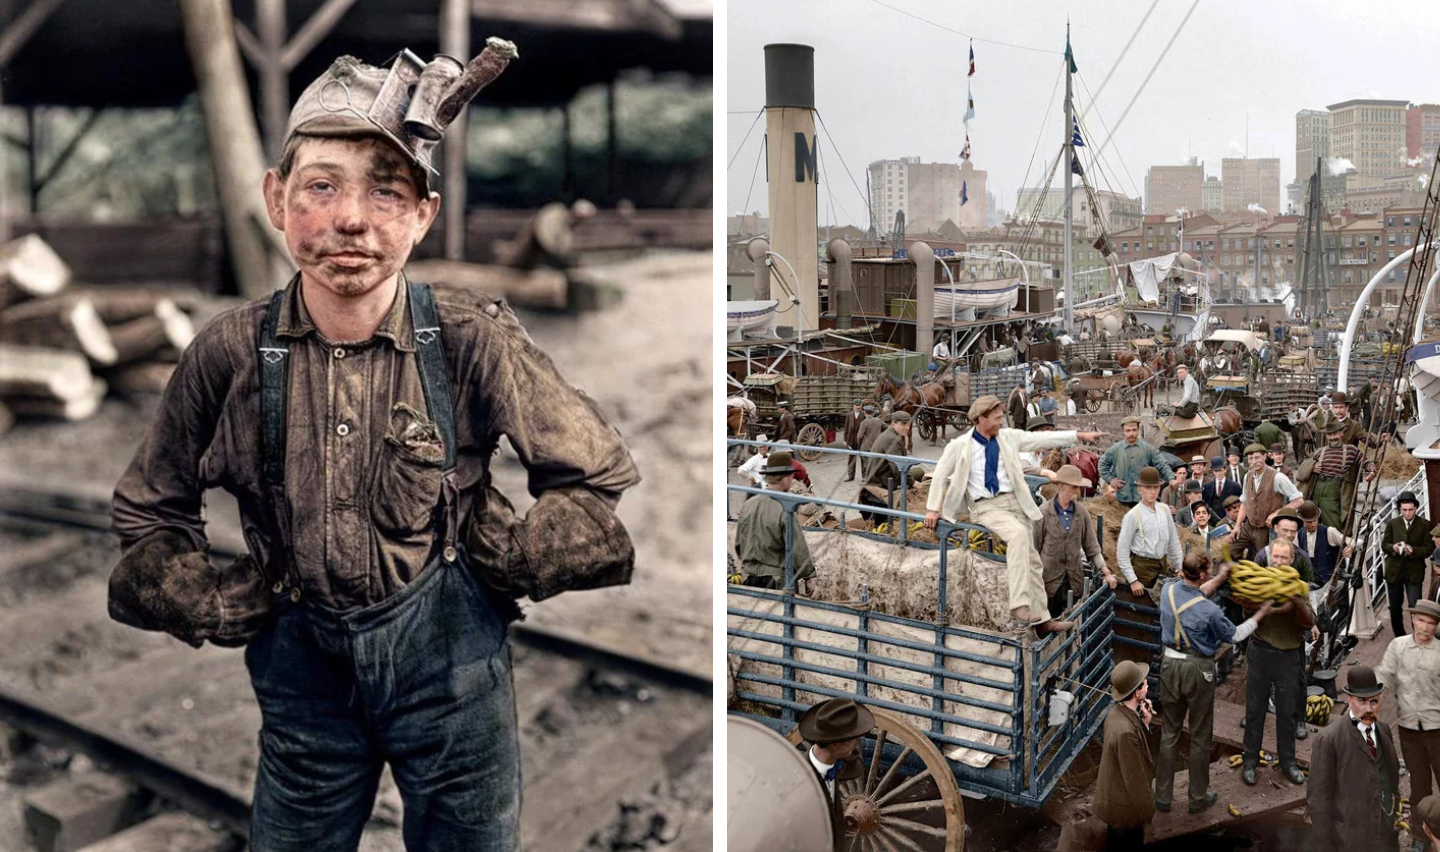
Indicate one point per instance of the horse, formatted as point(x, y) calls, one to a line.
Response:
point(1163, 366)
point(907, 398)
point(1124, 357)
point(1138, 377)
point(736, 418)
point(1227, 421)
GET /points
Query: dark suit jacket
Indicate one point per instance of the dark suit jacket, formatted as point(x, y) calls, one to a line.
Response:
point(1344, 788)
point(1411, 567)
point(1214, 500)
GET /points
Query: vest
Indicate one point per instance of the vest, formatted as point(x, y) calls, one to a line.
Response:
point(1259, 506)
point(1325, 552)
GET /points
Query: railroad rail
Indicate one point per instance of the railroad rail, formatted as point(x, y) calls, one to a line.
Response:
point(614, 676)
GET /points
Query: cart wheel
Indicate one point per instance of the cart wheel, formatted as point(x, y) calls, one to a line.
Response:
point(1093, 403)
point(811, 435)
point(888, 811)
point(927, 427)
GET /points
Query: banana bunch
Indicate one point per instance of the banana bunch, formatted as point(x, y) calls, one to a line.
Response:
point(977, 541)
point(1317, 709)
point(1251, 583)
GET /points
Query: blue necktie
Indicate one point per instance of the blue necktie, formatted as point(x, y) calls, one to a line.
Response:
point(992, 462)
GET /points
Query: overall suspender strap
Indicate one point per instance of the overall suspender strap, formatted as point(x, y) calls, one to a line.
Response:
point(439, 402)
point(274, 387)
point(1180, 635)
point(274, 373)
point(430, 356)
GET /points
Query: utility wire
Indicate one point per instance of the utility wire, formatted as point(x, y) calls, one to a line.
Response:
point(1144, 82)
point(844, 165)
point(957, 32)
point(1134, 187)
point(1123, 51)
point(746, 139)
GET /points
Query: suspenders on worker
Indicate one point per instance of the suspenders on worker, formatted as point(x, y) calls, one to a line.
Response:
point(1182, 641)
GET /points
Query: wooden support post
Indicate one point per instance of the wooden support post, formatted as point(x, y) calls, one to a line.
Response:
point(274, 77)
point(611, 182)
point(567, 173)
point(23, 27)
point(32, 181)
point(455, 40)
point(234, 144)
point(315, 29)
point(68, 151)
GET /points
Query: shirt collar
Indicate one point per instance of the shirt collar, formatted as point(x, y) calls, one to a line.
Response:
point(981, 438)
point(295, 319)
point(1062, 509)
point(819, 765)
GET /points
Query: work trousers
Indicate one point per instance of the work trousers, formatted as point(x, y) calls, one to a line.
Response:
point(1056, 602)
point(1421, 750)
point(1401, 594)
point(1187, 687)
point(1249, 540)
point(1268, 668)
point(1003, 516)
point(853, 463)
point(420, 681)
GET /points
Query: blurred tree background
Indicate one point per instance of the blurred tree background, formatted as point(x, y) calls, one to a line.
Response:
point(142, 163)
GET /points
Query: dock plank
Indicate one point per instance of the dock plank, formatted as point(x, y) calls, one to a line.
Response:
point(1229, 715)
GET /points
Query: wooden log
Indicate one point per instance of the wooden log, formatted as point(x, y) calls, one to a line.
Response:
point(117, 303)
point(29, 269)
point(59, 322)
point(80, 408)
point(165, 327)
point(145, 377)
point(37, 372)
point(168, 831)
point(546, 289)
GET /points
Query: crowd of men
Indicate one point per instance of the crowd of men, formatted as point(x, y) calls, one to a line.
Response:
point(1257, 506)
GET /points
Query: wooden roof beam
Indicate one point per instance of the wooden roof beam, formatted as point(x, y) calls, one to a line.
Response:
point(23, 27)
point(314, 30)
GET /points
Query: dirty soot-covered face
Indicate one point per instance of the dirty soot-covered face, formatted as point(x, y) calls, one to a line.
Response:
point(351, 211)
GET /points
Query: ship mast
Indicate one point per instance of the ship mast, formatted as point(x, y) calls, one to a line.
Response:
point(1069, 190)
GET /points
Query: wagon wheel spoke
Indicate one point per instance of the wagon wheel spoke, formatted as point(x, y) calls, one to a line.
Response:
point(898, 824)
point(893, 771)
point(908, 784)
point(900, 840)
point(875, 761)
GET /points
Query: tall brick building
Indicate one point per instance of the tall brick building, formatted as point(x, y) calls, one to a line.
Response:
point(1422, 130)
point(1170, 188)
point(1370, 133)
point(1246, 181)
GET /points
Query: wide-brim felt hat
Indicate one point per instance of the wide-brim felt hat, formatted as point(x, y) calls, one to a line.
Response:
point(1149, 476)
point(1427, 608)
point(1362, 683)
point(836, 720)
point(778, 463)
point(1042, 422)
point(1070, 475)
point(1127, 677)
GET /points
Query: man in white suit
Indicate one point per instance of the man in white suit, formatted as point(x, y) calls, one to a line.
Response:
point(980, 475)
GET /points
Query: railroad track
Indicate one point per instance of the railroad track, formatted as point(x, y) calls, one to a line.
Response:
point(117, 740)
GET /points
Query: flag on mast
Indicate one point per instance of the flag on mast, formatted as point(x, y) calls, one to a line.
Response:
point(1075, 138)
point(970, 109)
point(972, 60)
point(1070, 55)
point(965, 153)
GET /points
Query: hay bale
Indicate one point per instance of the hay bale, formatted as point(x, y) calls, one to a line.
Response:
point(1399, 464)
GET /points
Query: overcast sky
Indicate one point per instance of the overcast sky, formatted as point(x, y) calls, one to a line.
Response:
point(888, 85)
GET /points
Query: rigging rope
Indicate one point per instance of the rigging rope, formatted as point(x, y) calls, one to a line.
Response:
point(746, 139)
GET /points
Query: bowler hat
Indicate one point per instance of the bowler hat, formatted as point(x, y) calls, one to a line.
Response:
point(1309, 511)
point(983, 406)
point(1253, 448)
point(1191, 486)
point(1406, 497)
point(1070, 475)
point(1149, 476)
point(1277, 447)
point(1127, 677)
point(1217, 463)
point(1284, 514)
point(778, 463)
point(1362, 683)
point(1339, 398)
point(836, 720)
point(1426, 608)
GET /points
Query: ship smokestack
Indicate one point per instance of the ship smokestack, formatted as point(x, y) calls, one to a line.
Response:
point(792, 157)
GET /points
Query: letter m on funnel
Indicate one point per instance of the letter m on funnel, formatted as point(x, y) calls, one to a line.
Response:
point(805, 158)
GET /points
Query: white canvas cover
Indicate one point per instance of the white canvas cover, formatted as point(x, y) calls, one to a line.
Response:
point(1150, 272)
point(754, 318)
point(979, 295)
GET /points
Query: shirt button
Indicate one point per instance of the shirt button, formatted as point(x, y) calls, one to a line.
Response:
point(339, 353)
point(449, 553)
point(295, 596)
point(278, 587)
point(343, 429)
